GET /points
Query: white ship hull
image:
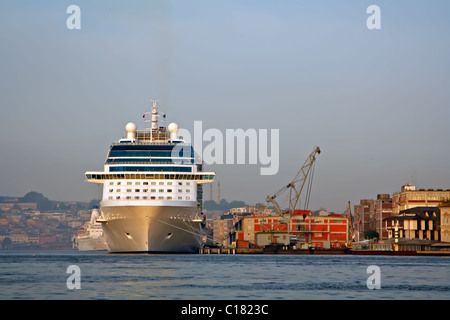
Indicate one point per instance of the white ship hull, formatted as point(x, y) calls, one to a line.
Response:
point(151, 228)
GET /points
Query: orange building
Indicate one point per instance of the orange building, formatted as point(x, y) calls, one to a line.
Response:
point(321, 232)
point(303, 230)
point(261, 230)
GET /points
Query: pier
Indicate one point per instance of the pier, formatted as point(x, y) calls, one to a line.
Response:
point(230, 251)
point(289, 251)
point(268, 250)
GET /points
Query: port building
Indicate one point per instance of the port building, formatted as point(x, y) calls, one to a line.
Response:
point(301, 230)
point(445, 222)
point(415, 223)
point(410, 197)
point(419, 214)
point(370, 214)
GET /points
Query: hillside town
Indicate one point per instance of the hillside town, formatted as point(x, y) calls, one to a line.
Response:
point(34, 222)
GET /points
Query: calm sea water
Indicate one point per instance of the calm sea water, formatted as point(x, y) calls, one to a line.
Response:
point(43, 275)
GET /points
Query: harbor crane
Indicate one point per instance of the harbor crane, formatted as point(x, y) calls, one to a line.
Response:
point(296, 186)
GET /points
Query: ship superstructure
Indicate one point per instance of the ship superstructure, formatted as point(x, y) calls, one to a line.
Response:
point(152, 191)
point(90, 236)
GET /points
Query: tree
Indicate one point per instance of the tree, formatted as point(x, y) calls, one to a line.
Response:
point(6, 242)
point(210, 205)
point(237, 204)
point(223, 205)
point(370, 234)
point(94, 203)
point(32, 196)
point(42, 202)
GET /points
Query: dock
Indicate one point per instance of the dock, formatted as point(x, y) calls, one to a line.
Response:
point(271, 250)
point(289, 251)
point(230, 251)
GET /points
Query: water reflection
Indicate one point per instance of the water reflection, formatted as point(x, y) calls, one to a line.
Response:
point(37, 275)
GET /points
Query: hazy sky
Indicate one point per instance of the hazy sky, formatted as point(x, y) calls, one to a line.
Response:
point(375, 101)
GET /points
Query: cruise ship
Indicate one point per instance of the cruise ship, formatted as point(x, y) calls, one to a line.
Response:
point(90, 236)
point(152, 191)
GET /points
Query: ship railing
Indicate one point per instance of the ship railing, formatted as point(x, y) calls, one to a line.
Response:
point(145, 143)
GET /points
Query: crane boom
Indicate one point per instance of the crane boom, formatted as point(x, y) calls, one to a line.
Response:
point(350, 240)
point(296, 186)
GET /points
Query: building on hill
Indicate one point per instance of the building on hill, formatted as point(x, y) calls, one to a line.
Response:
point(21, 205)
point(247, 210)
point(410, 197)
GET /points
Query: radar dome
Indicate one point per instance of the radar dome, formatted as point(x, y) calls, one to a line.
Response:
point(173, 131)
point(131, 130)
point(130, 127)
point(173, 127)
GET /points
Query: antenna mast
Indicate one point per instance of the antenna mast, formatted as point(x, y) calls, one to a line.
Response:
point(153, 118)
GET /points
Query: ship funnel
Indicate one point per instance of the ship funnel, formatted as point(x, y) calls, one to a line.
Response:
point(173, 131)
point(95, 214)
point(131, 130)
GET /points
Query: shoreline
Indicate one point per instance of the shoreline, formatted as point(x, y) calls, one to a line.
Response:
point(280, 250)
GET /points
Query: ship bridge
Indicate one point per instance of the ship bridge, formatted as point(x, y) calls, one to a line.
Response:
point(198, 177)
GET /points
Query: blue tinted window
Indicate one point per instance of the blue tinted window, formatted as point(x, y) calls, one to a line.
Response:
point(137, 160)
point(151, 151)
